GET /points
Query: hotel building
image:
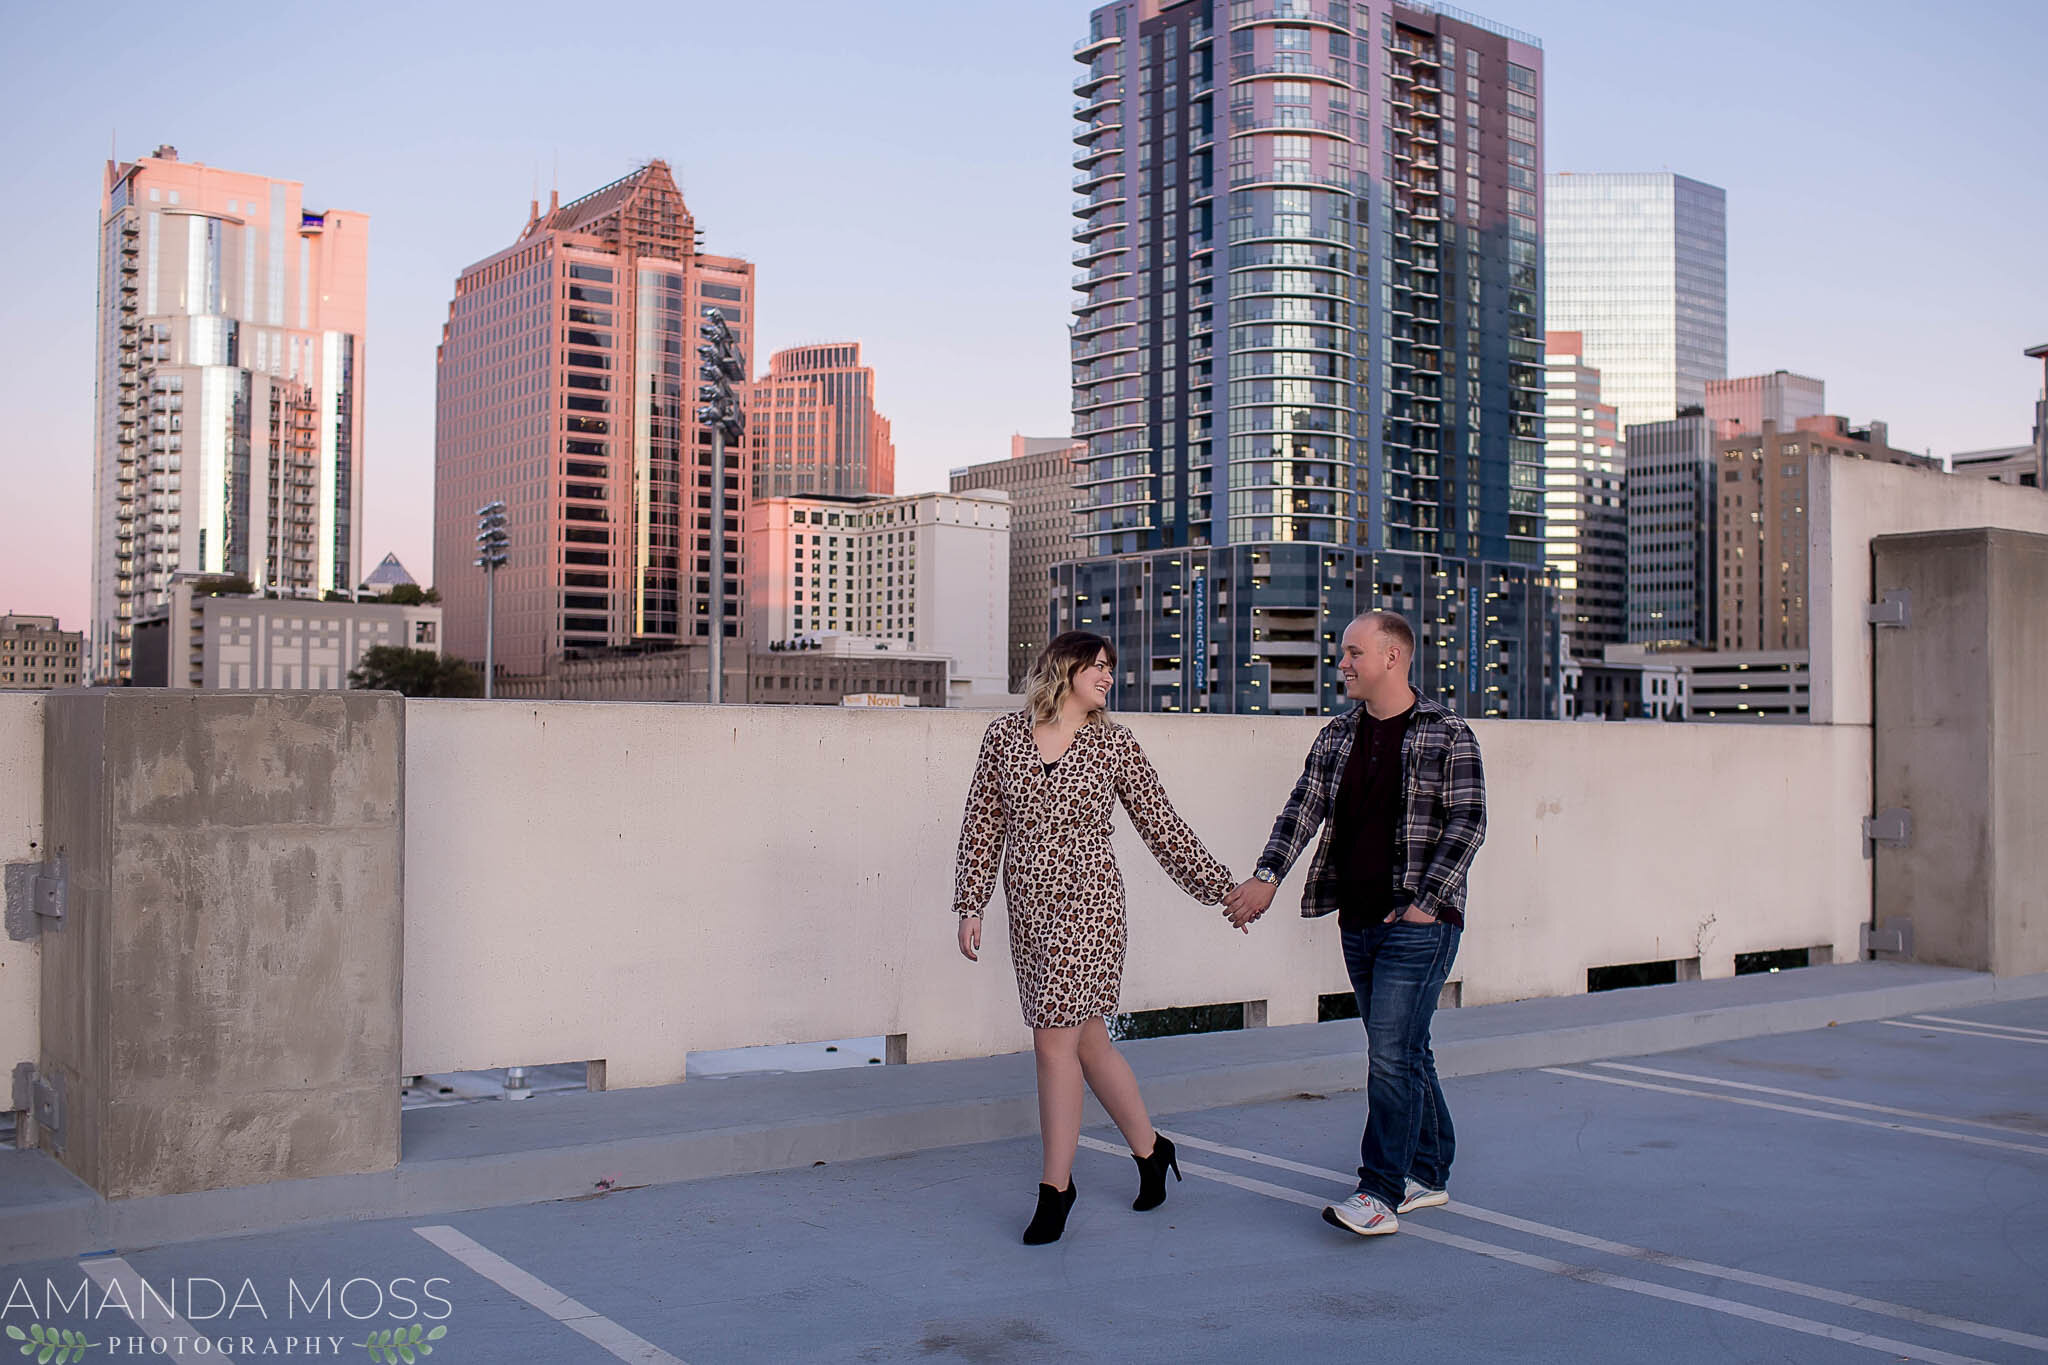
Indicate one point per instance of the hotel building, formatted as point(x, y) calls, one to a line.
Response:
point(1039, 477)
point(927, 572)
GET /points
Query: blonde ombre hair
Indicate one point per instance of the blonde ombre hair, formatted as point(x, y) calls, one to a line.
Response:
point(1052, 677)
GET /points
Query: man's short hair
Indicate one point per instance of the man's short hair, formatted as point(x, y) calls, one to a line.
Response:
point(1393, 625)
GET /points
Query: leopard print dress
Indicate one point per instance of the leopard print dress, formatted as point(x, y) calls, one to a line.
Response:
point(1049, 831)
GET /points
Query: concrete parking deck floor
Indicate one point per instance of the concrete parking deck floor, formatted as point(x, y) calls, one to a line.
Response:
point(1876, 1189)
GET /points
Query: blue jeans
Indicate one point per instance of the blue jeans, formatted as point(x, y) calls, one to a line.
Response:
point(1397, 971)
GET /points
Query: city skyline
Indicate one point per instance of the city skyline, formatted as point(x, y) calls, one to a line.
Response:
point(969, 353)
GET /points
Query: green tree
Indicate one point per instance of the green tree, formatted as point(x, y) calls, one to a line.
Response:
point(412, 595)
point(235, 585)
point(415, 672)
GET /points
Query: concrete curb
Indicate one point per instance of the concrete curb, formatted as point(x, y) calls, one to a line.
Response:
point(45, 1214)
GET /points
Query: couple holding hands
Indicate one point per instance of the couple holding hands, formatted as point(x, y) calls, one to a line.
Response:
point(1396, 786)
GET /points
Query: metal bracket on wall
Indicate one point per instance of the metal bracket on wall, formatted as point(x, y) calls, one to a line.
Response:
point(1893, 828)
point(49, 1110)
point(35, 897)
point(43, 1098)
point(50, 893)
point(1895, 608)
point(1895, 936)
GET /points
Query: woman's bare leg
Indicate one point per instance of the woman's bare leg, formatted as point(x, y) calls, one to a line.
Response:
point(1059, 1100)
point(1109, 1076)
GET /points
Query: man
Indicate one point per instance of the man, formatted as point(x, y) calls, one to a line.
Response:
point(1397, 787)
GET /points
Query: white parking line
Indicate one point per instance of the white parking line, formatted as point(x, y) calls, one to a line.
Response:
point(1979, 1023)
point(1586, 1274)
point(557, 1305)
point(1710, 1269)
point(1809, 1095)
point(1964, 1032)
point(113, 1273)
point(2034, 1149)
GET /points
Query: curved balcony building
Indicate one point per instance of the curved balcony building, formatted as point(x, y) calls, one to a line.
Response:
point(1307, 354)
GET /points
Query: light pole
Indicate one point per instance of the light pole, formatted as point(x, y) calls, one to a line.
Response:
point(2040, 353)
point(491, 541)
point(719, 408)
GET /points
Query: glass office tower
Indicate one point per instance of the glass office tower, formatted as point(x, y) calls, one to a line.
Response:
point(565, 388)
point(1308, 351)
point(1637, 264)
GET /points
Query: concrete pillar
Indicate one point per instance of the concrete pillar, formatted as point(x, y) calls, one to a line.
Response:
point(220, 1004)
point(1961, 744)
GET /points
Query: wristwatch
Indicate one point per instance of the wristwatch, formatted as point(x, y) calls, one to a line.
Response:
point(1266, 875)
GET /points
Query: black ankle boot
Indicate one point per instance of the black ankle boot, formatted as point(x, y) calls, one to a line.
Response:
point(1051, 1219)
point(1152, 1173)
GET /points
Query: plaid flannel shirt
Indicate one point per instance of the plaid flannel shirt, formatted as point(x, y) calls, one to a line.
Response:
point(1443, 818)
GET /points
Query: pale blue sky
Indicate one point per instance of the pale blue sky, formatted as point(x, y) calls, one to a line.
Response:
point(899, 174)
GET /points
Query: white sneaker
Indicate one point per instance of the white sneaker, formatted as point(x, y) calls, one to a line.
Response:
point(1417, 1195)
point(1364, 1215)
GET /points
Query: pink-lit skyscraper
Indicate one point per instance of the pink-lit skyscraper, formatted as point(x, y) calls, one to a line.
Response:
point(814, 426)
point(230, 392)
point(567, 375)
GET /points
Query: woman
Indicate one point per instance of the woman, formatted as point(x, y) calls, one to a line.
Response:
point(1045, 788)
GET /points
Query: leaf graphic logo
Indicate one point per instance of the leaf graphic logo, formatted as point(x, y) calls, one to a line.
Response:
point(51, 1344)
point(406, 1344)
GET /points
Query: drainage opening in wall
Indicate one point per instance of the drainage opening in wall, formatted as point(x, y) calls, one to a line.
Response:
point(500, 1083)
point(1782, 959)
point(1171, 1023)
point(1624, 975)
point(770, 1059)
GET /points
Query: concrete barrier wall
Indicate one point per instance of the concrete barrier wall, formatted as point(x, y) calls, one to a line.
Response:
point(634, 882)
point(21, 838)
point(1856, 501)
point(1964, 751)
point(221, 1005)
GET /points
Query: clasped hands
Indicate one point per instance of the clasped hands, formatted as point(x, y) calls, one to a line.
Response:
point(1249, 899)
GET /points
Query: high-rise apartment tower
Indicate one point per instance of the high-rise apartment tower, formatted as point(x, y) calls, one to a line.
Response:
point(1637, 264)
point(1308, 350)
point(566, 390)
point(229, 425)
